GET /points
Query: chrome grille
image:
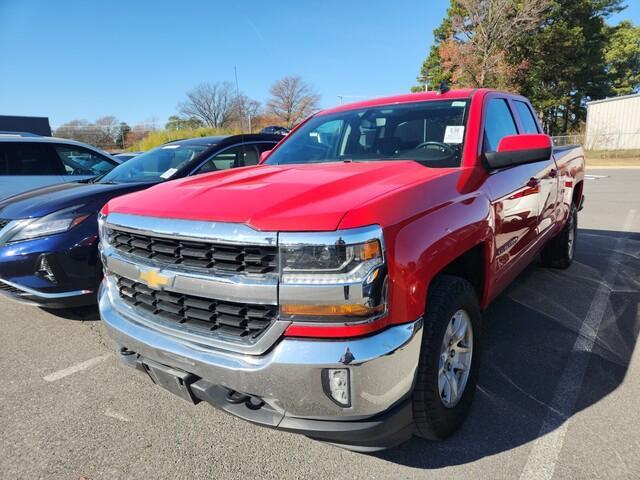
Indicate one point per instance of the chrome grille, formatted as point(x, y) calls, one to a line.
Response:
point(197, 254)
point(242, 320)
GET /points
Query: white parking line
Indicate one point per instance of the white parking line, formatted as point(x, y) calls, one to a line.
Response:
point(118, 416)
point(595, 177)
point(543, 457)
point(52, 377)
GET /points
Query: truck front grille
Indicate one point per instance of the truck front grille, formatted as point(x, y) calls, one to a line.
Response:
point(198, 254)
point(240, 320)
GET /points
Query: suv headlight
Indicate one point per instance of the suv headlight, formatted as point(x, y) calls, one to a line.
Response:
point(56, 222)
point(103, 232)
point(332, 274)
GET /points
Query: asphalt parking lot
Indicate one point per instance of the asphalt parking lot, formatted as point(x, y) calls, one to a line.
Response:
point(557, 398)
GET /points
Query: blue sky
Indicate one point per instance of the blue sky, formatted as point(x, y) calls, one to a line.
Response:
point(78, 59)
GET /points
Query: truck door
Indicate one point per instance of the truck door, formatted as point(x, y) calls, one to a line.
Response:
point(548, 175)
point(515, 195)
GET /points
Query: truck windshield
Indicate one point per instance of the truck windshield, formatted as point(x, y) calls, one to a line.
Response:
point(155, 165)
point(431, 133)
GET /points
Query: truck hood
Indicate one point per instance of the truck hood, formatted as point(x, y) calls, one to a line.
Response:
point(46, 200)
point(300, 197)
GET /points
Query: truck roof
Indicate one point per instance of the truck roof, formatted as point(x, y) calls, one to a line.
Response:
point(407, 98)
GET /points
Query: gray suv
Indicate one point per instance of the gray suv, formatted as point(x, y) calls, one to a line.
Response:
point(30, 161)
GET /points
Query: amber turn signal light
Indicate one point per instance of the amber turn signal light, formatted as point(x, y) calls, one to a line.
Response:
point(331, 310)
point(370, 250)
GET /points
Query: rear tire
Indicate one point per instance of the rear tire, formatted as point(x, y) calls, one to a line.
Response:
point(437, 411)
point(559, 252)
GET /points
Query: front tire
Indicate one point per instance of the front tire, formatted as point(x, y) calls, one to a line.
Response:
point(559, 252)
point(448, 368)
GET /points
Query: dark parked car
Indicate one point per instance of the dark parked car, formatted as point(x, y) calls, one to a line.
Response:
point(275, 130)
point(49, 236)
point(29, 161)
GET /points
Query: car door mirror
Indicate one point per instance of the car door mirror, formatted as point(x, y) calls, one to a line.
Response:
point(520, 149)
point(263, 156)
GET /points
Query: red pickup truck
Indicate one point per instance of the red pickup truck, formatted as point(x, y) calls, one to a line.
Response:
point(336, 289)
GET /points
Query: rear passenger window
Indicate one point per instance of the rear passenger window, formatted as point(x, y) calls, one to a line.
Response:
point(498, 124)
point(18, 158)
point(526, 117)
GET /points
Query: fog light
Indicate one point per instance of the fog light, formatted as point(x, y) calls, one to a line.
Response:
point(337, 385)
point(44, 270)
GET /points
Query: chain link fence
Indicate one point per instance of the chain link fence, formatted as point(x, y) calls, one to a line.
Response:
point(618, 147)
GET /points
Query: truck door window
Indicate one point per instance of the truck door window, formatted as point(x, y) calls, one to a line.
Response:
point(526, 117)
point(498, 124)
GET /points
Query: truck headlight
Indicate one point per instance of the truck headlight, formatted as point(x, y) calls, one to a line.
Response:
point(336, 263)
point(332, 274)
point(56, 222)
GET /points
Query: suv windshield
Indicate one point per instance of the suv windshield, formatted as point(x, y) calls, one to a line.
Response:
point(431, 133)
point(154, 166)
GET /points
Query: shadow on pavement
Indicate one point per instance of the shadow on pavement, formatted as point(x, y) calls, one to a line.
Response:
point(83, 314)
point(529, 334)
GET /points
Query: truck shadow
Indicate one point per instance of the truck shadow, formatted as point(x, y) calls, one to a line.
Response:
point(529, 334)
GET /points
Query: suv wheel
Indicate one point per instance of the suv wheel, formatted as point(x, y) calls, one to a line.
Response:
point(448, 369)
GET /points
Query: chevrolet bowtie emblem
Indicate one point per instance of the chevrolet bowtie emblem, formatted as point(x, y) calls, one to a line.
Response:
point(153, 279)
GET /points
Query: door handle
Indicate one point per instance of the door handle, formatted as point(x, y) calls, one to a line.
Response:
point(533, 182)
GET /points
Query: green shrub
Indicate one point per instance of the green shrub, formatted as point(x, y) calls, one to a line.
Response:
point(160, 137)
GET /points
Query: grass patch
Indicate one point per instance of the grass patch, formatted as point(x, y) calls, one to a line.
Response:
point(612, 158)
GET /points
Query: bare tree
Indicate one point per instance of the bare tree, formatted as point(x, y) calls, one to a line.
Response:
point(79, 130)
point(106, 130)
point(103, 132)
point(483, 32)
point(247, 109)
point(292, 100)
point(214, 104)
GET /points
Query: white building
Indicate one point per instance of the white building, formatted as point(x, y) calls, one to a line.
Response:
point(613, 123)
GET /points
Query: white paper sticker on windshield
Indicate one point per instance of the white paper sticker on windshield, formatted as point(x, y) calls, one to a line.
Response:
point(170, 147)
point(169, 173)
point(453, 134)
point(458, 104)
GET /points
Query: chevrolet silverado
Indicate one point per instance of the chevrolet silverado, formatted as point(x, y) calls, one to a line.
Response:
point(336, 289)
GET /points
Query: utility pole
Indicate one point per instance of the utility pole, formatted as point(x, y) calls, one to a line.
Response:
point(235, 72)
point(426, 79)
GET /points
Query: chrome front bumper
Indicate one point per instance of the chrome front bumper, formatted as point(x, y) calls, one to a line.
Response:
point(289, 377)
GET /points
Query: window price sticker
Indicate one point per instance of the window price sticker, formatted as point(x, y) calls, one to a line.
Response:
point(453, 134)
point(169, 173)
